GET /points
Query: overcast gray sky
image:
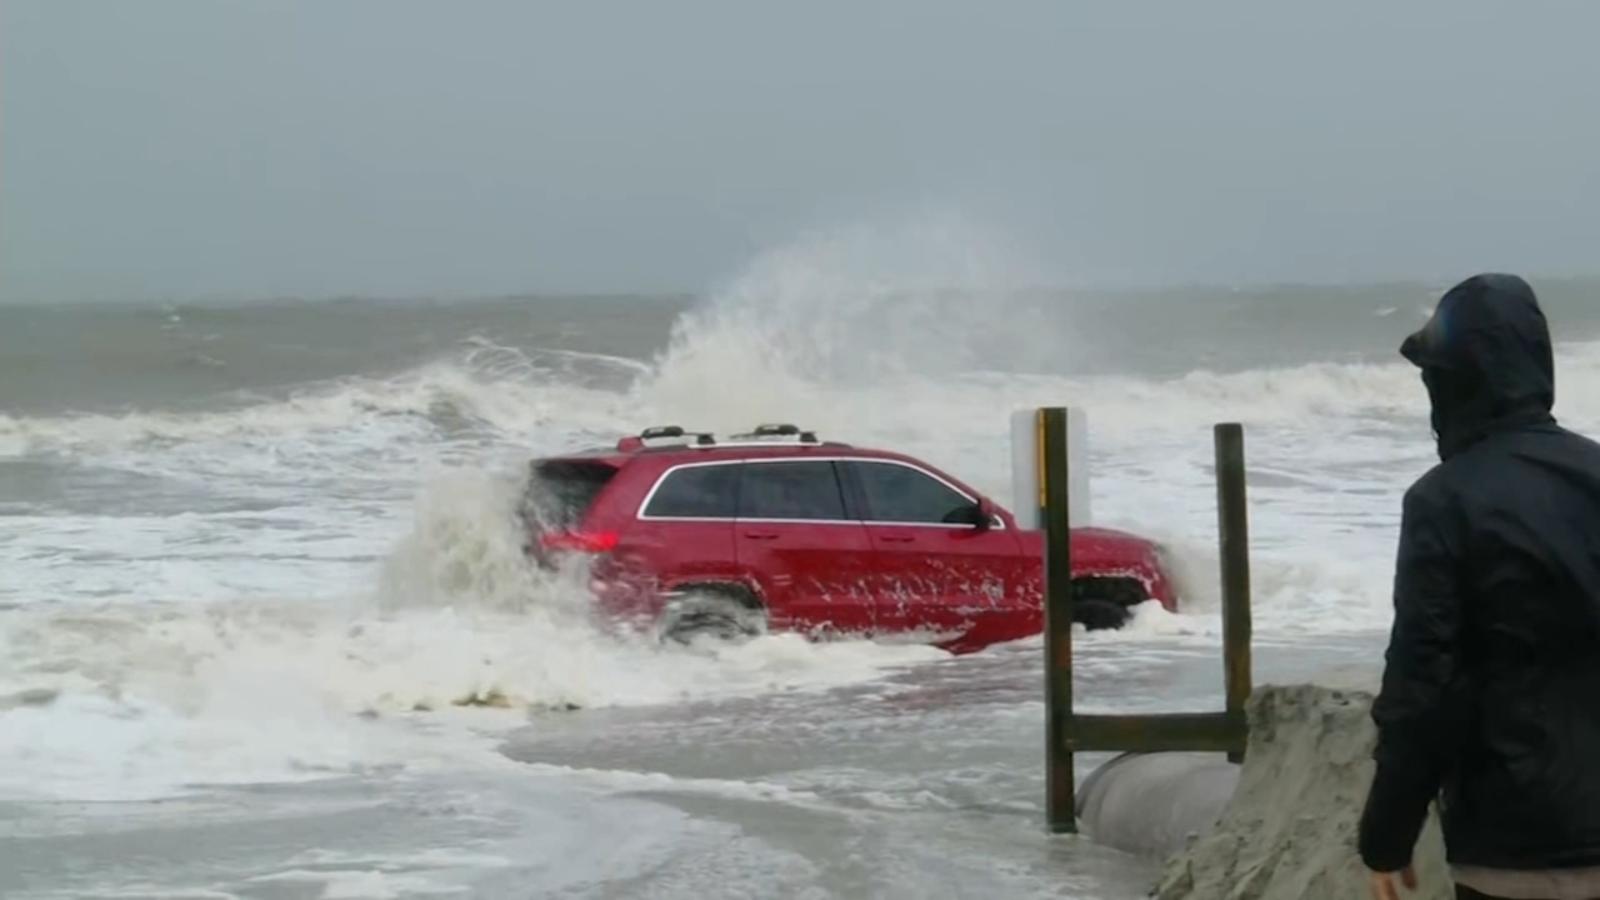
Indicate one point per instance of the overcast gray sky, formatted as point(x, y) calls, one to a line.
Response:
point(166, 149)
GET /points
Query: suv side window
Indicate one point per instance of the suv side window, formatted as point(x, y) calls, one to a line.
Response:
point(896, 493)
point(797, 489)
point(696, 492)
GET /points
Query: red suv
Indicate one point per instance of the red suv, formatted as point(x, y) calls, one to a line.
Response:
point(776, 530)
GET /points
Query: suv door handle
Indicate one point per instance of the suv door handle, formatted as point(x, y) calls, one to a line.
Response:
point(896, 538)
point(761, 535)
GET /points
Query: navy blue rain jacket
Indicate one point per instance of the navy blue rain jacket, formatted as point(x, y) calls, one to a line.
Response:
point(1490, 700)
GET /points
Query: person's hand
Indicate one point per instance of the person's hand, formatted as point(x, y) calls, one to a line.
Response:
point(1385, 888)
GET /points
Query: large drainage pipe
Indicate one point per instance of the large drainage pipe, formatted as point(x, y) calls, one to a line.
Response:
point(1150, 804)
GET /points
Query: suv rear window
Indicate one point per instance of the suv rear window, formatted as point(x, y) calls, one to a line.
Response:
point(696, 492)
point(560, 491)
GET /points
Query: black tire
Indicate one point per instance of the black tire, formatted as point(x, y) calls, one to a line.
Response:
point(720, 612)
point(1100, 614)
point(1102, 602)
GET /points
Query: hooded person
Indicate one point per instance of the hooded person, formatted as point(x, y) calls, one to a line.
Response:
point(1490, 699)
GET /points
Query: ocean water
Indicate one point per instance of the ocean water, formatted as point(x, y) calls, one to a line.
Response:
point(265, 631)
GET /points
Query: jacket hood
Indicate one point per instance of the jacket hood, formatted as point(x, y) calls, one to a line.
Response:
point(1486, 359)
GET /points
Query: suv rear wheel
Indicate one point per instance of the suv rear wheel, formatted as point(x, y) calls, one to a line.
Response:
point(722, 611)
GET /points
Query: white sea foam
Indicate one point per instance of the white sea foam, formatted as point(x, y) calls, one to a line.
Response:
point(136, 700)
point(308, 580)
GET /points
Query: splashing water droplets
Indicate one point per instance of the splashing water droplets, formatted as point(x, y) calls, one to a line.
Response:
point(855, 309)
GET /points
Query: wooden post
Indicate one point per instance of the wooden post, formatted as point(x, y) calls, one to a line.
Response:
point(1060, 783)
point(1233, 536)
point(1067, 733)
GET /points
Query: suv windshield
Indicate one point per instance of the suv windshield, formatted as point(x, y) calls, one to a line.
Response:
point(560, 491)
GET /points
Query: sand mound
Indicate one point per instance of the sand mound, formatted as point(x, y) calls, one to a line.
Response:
point(1289, 830)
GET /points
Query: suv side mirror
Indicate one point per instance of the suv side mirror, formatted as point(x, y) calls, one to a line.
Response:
point(986, 507)
point(979, 515)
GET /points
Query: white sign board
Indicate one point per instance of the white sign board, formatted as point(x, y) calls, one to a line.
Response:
point(1026, 466)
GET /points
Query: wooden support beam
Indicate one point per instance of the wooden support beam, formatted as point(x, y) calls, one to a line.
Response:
point(1233, 538)
point(1060, 780)
point(1067, 733)
point(1216, 732)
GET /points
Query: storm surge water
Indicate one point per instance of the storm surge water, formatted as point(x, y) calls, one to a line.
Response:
point(279, 545)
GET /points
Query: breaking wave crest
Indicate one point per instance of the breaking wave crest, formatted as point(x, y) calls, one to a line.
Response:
point(725, 373)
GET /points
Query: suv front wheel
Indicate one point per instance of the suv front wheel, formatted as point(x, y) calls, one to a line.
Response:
point(722, 612)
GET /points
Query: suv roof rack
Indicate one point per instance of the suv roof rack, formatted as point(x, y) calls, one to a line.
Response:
point(670, 435)
point(663, 436)
point(767, 432)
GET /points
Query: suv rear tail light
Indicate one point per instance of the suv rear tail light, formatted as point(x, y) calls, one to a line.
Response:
point(580, 541)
